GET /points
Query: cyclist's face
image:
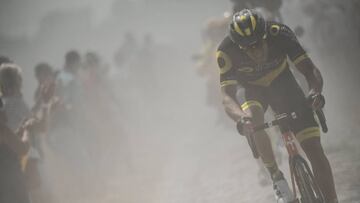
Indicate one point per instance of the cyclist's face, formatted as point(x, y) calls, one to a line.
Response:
point(257, 51)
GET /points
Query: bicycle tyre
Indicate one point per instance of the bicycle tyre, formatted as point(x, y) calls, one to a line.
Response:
point(308, 188)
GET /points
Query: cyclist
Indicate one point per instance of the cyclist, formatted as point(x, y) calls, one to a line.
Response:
point(254, 74)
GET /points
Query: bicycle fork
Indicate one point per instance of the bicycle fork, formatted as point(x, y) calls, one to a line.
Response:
point(291, 148)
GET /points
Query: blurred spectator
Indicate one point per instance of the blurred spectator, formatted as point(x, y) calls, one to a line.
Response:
point(125, 55)
point(4, 59)
point(145, 71)
point(68, 89)
point(94, 72)
point(68, 75)
point(212, 34)
point(63, 126)
point(14, 105)
point(13, 142)
point(126, 51)
point(95, 79)
point(45, 77)
point(270, 7)
point(45, 102)
point(98, 95)
point(67, 80)
point(148, 49)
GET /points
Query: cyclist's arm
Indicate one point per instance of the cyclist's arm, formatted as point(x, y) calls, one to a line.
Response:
point(229, 86)
point(229, 77)
point(299, 57)
point(231, 106)
point(312, 75)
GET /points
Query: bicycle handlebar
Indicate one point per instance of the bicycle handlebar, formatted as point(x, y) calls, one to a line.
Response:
point(292, 116)
point(267, 125)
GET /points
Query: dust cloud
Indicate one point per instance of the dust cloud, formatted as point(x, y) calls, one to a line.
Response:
point(149, 136)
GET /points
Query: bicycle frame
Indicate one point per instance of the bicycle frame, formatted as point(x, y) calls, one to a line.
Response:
point(289, 141)
point(290, 144)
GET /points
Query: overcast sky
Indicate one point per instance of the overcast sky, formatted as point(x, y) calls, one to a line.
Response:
point(21, 17)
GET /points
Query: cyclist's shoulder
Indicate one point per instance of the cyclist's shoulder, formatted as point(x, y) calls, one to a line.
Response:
point(228, 46)
point(276, 30)
point(228, 49)
point(225, 43)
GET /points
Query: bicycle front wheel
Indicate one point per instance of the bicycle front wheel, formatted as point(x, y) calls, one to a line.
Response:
point(308, 188)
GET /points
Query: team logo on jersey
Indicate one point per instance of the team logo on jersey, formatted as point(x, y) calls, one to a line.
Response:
point(274, 30)
point(246, 69)
point(224, 62)
point(261, 68)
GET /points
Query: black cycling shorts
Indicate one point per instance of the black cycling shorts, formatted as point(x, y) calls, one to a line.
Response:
point(283, 95)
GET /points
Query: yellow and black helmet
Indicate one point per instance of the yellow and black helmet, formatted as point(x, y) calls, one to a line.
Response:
point(247, 27)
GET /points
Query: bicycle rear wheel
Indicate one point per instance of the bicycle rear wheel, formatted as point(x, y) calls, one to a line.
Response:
point(308, 188)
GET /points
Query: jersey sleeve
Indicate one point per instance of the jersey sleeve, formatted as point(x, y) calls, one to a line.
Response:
point(227, 73)
point(290, 44)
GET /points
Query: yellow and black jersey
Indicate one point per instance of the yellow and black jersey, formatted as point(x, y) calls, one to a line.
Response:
point(236, 67)
point(272, 83)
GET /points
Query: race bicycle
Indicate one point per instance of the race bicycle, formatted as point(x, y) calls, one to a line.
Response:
point(302, 178)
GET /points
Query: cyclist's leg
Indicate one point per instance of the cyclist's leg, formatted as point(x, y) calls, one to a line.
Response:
point(307, 133)
point(262, 139)
point(287, 96)
point(263, 143)
point(255, 106)
point(263, 175)
point(276, 139)
point(321, 167)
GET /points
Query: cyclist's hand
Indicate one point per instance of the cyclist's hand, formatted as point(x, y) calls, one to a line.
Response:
point(316, 101)
point(245, 126)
